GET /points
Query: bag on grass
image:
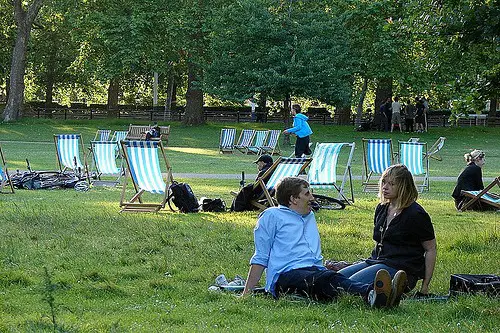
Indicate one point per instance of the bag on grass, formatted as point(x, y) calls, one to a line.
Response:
point(183, 198)
point(242, 200)
point(472, 283)
point(213, 205)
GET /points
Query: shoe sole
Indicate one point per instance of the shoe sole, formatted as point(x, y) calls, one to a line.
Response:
point(398, 287)
point(382, 288)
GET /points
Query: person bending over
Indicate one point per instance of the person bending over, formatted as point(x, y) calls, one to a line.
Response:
point(403, 234)
point(471, 179)
point(287, 246)
point(302, 130)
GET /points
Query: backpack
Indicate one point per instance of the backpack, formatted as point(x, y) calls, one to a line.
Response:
point(473, 283)
point(213, 205)
point(183, 198)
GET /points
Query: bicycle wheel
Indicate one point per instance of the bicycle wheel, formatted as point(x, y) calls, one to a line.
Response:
point(329, 203)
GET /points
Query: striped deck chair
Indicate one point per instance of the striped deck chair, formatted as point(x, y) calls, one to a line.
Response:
point(259, 140)
point(226, 143)
point(102, 135)
point(377, 156)
point(117, 137)
point(484, 197)
point(272, 146)
point(245, 140)
point(104, 161)
point(68, 153)
point(323, 170)
point(143, 168)
point(433, 151)
point(4, 175)
point(414, 156)
point(281, 168)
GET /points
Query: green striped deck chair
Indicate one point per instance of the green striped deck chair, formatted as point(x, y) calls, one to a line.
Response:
point(117, 137)
point(484, 197)
point(433, 151)
point(281, 168)
point(272, 146)
point(68, 153)
point(104, 162)
point(245, 140)
point(323, 170)
point(226, 143)
point(144, 170)
point(414, 156)
point(377, 156)
point(102, 135)
point(259, 140)
point(5, 181)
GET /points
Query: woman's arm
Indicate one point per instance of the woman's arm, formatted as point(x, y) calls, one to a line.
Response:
point(430, 261)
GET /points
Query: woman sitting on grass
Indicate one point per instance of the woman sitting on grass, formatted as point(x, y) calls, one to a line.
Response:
point(471, 179)
point(403, 233)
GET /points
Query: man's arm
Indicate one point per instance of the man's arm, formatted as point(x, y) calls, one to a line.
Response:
point(430, 262)
point(254, 275)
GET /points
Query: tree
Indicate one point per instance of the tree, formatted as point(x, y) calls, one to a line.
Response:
point(24, 17)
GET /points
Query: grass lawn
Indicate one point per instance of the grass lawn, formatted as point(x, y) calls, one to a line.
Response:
point(71, 262)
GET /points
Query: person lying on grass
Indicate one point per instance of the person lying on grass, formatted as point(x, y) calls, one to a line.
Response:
point(403, 234)
point(287, 246)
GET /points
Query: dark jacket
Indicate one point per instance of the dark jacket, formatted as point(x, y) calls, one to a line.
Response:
point(471, 179)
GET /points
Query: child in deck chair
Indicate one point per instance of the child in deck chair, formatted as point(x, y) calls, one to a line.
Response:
point(471, 179)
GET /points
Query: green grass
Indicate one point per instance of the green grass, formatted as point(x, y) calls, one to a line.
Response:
point(112, 272)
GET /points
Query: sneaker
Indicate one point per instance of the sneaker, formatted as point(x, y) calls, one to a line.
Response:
point(398, 287)
point(379, 296)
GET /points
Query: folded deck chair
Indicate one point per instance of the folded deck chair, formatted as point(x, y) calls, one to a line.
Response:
point(245, 140)
point(272, 147)
point(485, 196)
point(433, 151)
point(68, 153)
point(104, 162)
point(323, 170)
point(226, 143)
point(259, 139)
point(5, 181)
point(377, 156)
point(102, 135)
point(414, 156)
point(281, 168)
point(143, 168)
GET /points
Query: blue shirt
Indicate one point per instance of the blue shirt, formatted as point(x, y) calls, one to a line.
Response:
point(285, 240)
point(300, 126)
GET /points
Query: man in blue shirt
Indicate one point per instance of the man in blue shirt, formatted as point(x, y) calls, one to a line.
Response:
point(288, 247)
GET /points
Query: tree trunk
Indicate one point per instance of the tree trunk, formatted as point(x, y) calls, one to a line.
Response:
point(383, 91)
point(261, 108)
point(24, 20)
point(359, 110)
point(194, 97)
point(113, 92)
point(344, 115)
point(492, 112)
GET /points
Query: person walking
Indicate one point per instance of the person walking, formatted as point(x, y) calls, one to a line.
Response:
point(302, 130)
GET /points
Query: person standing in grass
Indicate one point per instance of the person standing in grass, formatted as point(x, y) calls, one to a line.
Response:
point(470, 179)
point(287, 246)
point(302, 130)
point(403, 234)
point(396, 114)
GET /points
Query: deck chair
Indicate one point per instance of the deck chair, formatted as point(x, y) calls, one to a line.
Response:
point(143, 168)
point(104, 162)
point(433, 151)
point(414, 156)
point(485, 196)
point(68, 153)
point(259, 139)
point(117, 137)
point(137, 132)
point(226, 143)
point(281, 168)
point(323, 170)
point(377, 156)
point(5, 181)
point(102, 135)
point(272, 147)
point(245, 140)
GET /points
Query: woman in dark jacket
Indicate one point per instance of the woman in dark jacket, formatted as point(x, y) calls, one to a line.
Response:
point(471, 179)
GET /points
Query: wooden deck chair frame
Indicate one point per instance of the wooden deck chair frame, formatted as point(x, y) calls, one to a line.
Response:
point(433, 151)
point(226, 142)
point(371, 168)
point(483, 196)
point(102, 135)
point(272, 145)
point(414, 156)
point(135, 166)
point(104, 162)
point(119, 136)
point(137, 132)
point(322, 171)
point(282, 167)
point(259, 139)
point(245, 140)
point(5, 180)
point(64, 160)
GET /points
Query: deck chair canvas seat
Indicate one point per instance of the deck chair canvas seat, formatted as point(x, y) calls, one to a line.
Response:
point(245, 140)
point(414, 156)
point(272, 147)
point(102, 135)
point(259, 139)
point(143, 168)
point(485, 196)
point(5, 181)
point(104, 161)
point(226, 143)
point(377, 156)
point(322, 172)
point(117, 137)
point(68, 153)
point(433, 151)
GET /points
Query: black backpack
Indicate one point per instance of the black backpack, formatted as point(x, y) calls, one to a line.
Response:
point(183, 198)
point(213, 205)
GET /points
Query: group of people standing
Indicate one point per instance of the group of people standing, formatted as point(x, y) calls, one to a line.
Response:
point(391, 113)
